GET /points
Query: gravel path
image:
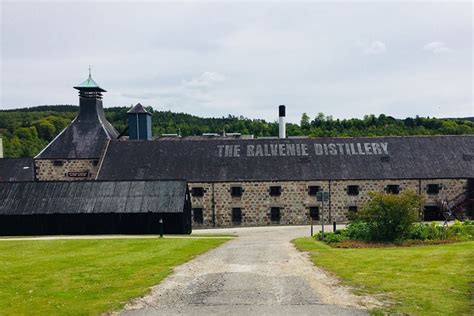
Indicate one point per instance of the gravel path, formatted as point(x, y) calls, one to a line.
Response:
point(258, 273)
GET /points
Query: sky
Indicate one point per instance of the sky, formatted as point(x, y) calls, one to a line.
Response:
point(211, 59)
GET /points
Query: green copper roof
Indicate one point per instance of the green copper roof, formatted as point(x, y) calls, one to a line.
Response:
point(90, 85)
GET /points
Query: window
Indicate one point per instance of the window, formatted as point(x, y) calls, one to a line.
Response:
point(433, 189)
point(197, 215)
point(275, 190)
point(314, 213)
point(58, 163)
point(352, 209)
point(275, 215)
point(393, 188)
point(95, 162)
point(433, 213)
point(197, 191)
point(236, 215)
point(313, 189)
point(236, 191)
point(353, 189)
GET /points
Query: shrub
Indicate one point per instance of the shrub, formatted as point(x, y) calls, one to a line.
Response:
point(459, 230)
point(329, 238)
point(389, 217)
point(431, 231)
point(358, 230)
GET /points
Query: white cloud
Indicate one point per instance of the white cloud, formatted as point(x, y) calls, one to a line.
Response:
point(437, 47)
point(373, 48)
point(206, 79)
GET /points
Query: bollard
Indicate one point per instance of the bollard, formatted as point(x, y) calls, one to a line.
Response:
point(334, 226)
point(161, 227)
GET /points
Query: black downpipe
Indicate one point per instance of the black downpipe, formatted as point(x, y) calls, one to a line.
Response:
point(213, 207)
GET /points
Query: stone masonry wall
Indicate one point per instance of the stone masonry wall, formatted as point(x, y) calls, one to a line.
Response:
point(294, 201)
point(70, 170)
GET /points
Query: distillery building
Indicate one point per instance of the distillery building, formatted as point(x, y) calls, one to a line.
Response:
point(240, 180)
point(57, 192)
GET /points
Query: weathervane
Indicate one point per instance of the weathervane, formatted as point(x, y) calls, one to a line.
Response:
point(90, 68)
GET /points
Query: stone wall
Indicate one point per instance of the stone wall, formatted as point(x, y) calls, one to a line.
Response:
point(295, 201)
point(66, 170)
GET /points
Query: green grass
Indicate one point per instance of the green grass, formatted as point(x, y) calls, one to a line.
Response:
point(426, 280)
point(121, 236)
point(87, 277)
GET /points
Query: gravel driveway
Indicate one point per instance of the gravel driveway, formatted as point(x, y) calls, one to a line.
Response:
point(258, 273)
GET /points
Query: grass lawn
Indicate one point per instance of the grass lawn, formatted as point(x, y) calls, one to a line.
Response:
point(426, 280)
point(87, 277)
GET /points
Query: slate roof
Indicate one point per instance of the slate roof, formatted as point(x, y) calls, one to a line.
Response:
point(416, 157)
point(27, 198)
point(138, 109)
point(85, 137)
point(17, 169)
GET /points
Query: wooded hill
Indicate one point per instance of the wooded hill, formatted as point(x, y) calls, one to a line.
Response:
point(26, 131)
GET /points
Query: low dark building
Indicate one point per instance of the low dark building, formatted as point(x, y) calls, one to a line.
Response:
point(94, 207)
point(17, 169)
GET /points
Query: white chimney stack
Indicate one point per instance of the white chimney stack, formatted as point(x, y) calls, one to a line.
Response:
point(1, 148)
point(281, 122)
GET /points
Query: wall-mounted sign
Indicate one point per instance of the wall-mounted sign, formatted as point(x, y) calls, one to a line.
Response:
point(316, 149)
point(78, 174)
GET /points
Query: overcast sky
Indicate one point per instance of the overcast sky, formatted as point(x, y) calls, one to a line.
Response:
point(213, 59)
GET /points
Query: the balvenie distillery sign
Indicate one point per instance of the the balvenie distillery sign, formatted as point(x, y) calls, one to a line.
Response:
point(315, 149)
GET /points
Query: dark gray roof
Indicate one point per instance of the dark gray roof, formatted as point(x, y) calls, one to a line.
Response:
point(138, 108)
point(17, 169)
point(85, 137)
point(325, 158)
point(24, 198)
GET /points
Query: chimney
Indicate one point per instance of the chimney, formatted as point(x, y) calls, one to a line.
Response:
point(1, 148)
point(281, 122)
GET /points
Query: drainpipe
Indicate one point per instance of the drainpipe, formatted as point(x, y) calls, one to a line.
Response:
point(329, 204)
point(213, 206)
point(421, 206)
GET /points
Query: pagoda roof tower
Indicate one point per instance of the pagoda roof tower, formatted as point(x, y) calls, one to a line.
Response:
point(87, 134)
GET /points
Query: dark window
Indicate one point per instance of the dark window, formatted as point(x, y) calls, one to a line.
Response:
point(236, 191)
point(197, 214)
point(433, 213)
point(197, 191)
point(433, 189)
point(275, 190)
point(353, 189)
point(393, 188)
point(385, 158)
point(236, 215)
point(313, 189)
point(58, 163)
point(353, 209)
point(314, 213)
point(275, 214)
point(95, 162)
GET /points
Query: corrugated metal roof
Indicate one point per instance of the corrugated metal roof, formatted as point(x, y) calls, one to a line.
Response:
point(25, 198)
point(17, 169)
point(325, 158)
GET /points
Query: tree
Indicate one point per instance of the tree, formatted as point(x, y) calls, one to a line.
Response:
point(390, 216)
point(304, 124)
